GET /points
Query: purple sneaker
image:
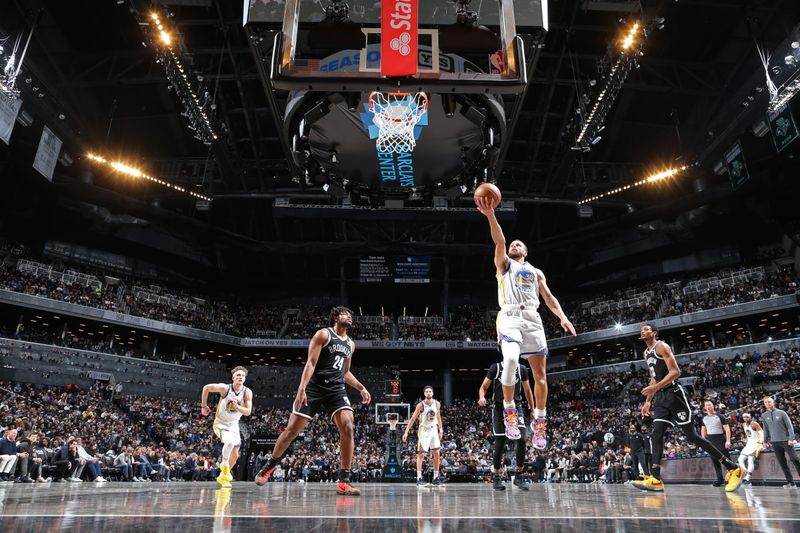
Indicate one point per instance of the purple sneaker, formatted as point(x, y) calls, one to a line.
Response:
point(539, 428)
point(510, 420)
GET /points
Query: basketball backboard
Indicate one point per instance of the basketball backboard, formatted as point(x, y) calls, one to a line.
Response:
point(528, 14)
point(337, 46)
point(403, 410)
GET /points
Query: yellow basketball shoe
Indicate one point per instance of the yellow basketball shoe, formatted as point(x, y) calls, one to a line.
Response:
point(733, 479)
point(649, 483)
point(225, 477)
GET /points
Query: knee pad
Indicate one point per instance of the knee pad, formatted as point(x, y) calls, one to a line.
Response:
point(511, 352)
point(227, 448)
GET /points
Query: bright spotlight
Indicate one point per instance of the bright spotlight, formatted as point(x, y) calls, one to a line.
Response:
point(126, 169)
point(653, 178)
point(630, 37)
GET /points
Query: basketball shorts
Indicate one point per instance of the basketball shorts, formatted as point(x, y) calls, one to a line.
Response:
point(498, 425)
point(428, 439)
point(524, 327)
point(228, 432)
point(323, 401)
point(671, 405)
point(751, 448)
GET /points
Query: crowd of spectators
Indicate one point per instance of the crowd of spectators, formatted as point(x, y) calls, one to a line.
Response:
point(200, 317)
point(13, 280)
point(95, 344)
point(471, 322)
point(424, 331)
point(166, 439)
point(657, 299)
point(584, 319)
point(779, 283)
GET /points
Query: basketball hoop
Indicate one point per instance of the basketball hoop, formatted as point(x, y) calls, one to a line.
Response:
point(392, 419)
point(396, 115)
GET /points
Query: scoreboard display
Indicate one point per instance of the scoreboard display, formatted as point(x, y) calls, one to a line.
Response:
point(393, 388)
point(374, 269)
point(412, 269)
point(400, 269)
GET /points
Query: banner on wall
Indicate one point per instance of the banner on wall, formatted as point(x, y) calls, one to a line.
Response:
point(737, 165)
point(47, 154)
point(9, 109)
point(783, 128)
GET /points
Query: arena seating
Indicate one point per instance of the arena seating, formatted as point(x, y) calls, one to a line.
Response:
point(588, 312)
point(583, 408)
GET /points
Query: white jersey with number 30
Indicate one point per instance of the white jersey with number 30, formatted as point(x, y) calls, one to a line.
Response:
point(519, 285)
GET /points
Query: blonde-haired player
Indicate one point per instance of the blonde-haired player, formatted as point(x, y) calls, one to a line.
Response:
point(429, 438)
point(235, 400)
point(755, 441)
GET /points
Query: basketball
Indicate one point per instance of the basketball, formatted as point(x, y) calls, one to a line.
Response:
point(488, 190)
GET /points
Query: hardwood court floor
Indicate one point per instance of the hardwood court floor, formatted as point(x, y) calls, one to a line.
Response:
point(290, 507)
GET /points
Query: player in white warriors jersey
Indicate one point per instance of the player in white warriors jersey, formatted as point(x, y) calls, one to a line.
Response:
point(519, 327)
point(235, 400)
point(429, 438)
point(753, 446)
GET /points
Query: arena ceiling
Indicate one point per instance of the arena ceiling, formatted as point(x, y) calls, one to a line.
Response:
point(104, 91)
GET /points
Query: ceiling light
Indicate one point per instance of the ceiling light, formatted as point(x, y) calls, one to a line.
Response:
point(124, 168)
point(657, 177)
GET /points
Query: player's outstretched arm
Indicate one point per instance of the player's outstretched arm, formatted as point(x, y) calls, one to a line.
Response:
point(218, 388)
point(501, 259)
point(554, 304)
point(351, 380)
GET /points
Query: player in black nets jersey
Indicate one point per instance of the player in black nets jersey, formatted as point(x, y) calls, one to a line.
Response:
point(670, 407)
point(521, 382)
point(322, 388)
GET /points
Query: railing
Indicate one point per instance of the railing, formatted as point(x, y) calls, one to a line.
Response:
point(408, 320)
point(728, 280)
point(151, 297)
point(70, 277)
point(725, 353)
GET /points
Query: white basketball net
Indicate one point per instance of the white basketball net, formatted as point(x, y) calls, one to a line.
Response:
point(396, 116)
point(392, 419)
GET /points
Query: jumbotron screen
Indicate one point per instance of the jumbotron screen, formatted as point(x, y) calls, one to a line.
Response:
point(402, 269)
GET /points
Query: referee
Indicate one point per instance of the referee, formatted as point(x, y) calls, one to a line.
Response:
point(717, 430)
